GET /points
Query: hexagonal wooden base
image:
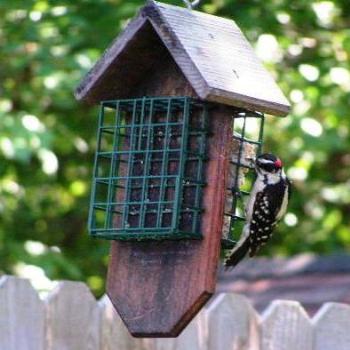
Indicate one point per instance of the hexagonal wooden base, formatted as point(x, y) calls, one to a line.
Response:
point(158, 287)
point(155, 292)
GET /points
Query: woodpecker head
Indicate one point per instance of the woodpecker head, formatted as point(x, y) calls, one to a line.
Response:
point(267, 163)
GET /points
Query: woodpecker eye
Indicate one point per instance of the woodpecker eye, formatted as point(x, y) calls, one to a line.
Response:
point(269, 162)
point(269, 167)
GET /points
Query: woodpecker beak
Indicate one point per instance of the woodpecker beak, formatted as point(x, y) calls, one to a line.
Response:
point(278, 163)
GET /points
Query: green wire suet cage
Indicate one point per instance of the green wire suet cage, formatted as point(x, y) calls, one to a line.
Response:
point(238, 191)
point(149, 166)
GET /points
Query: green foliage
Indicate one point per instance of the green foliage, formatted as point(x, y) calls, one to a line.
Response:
point(47, 139)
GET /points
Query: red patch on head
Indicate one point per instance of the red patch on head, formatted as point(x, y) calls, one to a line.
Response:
point(278, 163)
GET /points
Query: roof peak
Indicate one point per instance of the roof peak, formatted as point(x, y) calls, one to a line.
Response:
point(211, 52)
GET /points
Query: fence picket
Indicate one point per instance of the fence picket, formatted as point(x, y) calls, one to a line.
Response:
point(114, 335)
point(193, 337)
point(72, 318)
point(22, 315)
point(286, 326)
point(331, 324)
point(232, 324)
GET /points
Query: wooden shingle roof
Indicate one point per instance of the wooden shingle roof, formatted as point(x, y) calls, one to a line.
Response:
point(212, 53)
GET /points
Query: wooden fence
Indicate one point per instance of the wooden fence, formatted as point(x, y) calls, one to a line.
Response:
point(71, 319)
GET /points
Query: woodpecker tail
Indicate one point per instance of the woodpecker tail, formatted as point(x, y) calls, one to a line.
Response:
point(239, 251)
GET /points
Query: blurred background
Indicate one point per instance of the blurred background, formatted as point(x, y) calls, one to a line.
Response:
point(47, 139)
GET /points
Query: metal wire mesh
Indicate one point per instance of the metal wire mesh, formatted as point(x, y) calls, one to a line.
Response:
point(243, 168)
point(148, 173)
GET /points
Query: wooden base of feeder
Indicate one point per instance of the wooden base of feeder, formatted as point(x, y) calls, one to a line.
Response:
point(158, 287)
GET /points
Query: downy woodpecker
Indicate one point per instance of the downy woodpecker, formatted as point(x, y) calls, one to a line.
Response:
point(266, 206)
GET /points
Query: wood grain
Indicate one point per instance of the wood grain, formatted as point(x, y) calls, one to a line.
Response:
point(104, 74)
point(114, 334)
point(229, 322)
point(72, 318)
point(225, 60)
point(211, 52)
point(158, 287)
point(286, 326)
point(331, 327)
point(22, 316)
point(232, 324)
point(194, 337)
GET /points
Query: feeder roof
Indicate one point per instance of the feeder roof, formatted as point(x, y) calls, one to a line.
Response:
point(212, 53)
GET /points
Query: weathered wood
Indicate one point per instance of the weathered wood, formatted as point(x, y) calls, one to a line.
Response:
point(232, 324)
point(158, 288)
point(331, 327)
point(138, 40)
point(194, 337)
point(286, 326)
point(224, 58)
point(165, 79)
point(22, 316)
point(72, 318)
point(96, 84)
point(211, 52)
point(73, 322)
point(114, 334)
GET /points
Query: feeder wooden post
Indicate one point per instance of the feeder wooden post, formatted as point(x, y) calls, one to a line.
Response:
point(158, 288)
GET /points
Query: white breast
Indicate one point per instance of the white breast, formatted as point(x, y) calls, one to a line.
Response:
point(258, 187)
point(283, 206)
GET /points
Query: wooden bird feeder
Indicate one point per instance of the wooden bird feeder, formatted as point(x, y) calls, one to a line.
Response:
point(170, 88)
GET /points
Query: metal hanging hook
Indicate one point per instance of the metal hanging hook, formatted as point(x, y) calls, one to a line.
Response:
point(191, 4)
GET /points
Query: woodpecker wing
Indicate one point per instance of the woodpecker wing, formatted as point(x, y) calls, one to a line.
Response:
point(266, 206)
point(270, 205)
point(261, 224)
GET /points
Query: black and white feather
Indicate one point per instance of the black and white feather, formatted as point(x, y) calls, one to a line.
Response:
point(266, 206)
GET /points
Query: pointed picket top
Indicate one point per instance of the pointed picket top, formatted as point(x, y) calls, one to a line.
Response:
point(286, 326)
point(114, 334)
point(211, 52)
point(72, 318)
point(22, 315)
point(193, 337)
point(232, 323)
point(331, 327)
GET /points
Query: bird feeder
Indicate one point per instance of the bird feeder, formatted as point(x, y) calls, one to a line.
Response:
point(168, 163)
